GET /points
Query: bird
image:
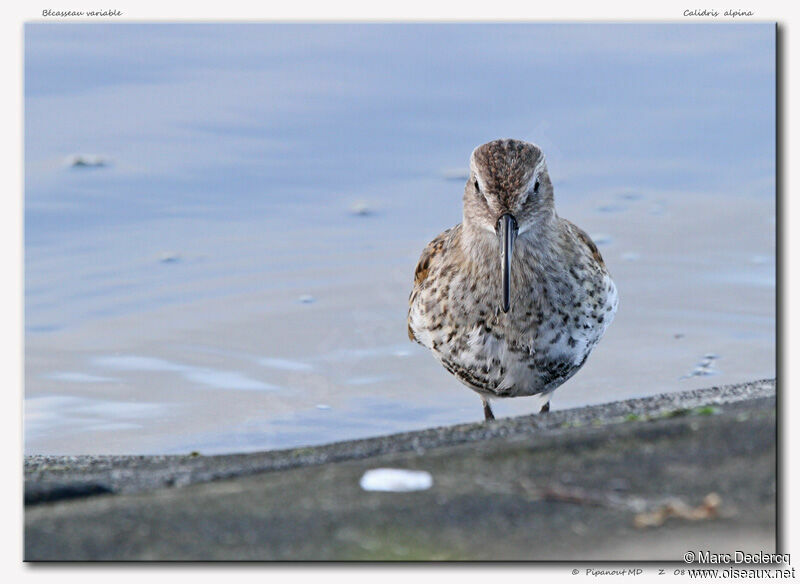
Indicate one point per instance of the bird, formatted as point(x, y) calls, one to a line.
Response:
point(512, 300)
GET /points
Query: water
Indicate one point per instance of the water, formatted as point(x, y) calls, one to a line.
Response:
point(228, 269)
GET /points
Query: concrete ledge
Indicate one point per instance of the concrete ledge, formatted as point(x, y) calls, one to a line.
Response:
point(567, 486)
point(51, 478)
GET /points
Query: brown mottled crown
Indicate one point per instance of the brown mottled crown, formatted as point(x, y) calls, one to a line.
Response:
point(506, 166)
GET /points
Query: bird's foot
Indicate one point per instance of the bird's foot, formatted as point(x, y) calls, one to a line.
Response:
point(487, 411)
point(545, 408)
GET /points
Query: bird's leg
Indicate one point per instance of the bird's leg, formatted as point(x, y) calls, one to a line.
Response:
point(545, 408)
point(487, 410)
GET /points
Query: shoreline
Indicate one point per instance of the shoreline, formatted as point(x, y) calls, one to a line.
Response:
point(56, 477)
point(567, 486)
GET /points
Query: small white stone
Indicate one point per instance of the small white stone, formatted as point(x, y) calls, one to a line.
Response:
point(86, 160)
point(360, 208)
point(396, 480)
point(169, 257)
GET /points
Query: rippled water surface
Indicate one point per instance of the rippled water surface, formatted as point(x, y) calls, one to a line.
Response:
point(222, 221)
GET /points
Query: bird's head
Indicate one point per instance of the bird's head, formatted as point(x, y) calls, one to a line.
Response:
point(508, 194)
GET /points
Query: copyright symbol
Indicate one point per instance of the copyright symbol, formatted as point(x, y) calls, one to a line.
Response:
point(575, 572)
point(688, 557)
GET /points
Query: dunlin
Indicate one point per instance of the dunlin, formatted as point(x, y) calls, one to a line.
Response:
point(514, 298)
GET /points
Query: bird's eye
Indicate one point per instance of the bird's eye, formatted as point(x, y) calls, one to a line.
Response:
point(477, 187)
point(536, 188)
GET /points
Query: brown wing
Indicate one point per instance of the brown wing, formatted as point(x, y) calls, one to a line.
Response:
point(423, 267)
point(587, 241)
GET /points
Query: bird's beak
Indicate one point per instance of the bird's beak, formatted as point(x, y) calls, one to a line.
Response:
point(507, 231)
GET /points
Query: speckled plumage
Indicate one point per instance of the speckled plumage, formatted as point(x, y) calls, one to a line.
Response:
point(562, 297)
